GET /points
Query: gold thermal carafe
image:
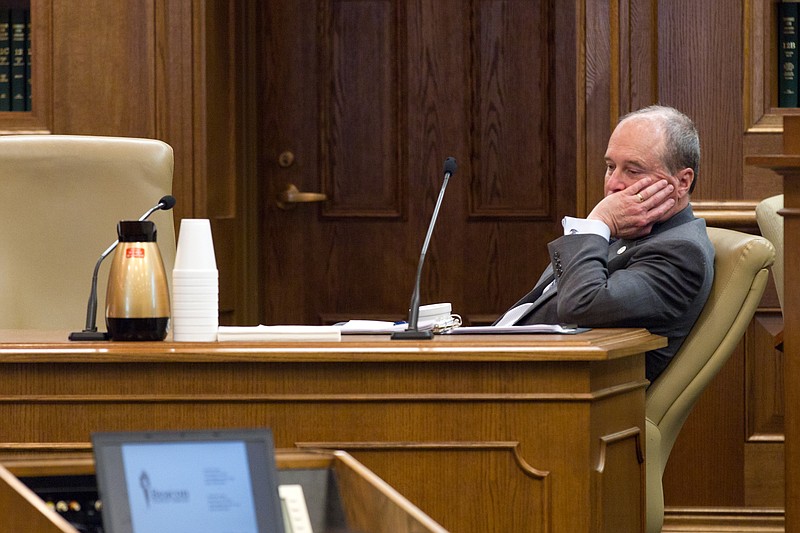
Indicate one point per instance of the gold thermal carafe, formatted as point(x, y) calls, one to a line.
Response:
point(137, 299)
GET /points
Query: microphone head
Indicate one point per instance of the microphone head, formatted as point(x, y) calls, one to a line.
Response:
point(167, 202)
point(450, 165)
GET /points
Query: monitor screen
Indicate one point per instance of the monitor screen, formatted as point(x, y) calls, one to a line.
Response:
point(221, 481)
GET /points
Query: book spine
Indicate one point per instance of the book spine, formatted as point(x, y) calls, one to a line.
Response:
point(5, 61)
point(18, 59)
point(787, 54)
point(28, 75)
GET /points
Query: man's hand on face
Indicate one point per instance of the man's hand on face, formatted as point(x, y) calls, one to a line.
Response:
point(631, 213)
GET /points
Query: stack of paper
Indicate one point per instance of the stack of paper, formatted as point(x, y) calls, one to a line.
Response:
point(278, 333)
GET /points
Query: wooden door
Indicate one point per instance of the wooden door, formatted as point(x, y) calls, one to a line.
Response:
point(362, 101)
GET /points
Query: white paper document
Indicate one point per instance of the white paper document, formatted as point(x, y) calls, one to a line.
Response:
point(353, 327)
point(530, 328)
point(278, 333)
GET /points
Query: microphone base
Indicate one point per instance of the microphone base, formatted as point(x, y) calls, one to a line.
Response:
point(412, 335)
point(89, 336)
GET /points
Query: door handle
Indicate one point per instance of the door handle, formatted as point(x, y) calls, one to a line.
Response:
point(292, 195)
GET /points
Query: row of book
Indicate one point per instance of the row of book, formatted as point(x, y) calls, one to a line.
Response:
point(15, 60)
point(788, 88)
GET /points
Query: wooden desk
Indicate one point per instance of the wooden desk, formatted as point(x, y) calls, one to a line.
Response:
point(788, 166)
point(348, 494)
point(483, 433)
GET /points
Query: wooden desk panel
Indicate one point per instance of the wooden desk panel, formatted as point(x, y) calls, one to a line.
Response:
point(367, 502)
point(486, 433)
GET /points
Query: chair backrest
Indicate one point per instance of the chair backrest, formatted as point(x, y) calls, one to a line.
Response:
point(740, 276)
point(771, 225)
point(61, 197)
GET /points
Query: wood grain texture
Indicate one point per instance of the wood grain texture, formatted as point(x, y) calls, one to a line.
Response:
point(788, 165)
point(369, 502)
point(509, 424)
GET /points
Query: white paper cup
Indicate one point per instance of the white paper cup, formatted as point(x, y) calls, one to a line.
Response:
point(186, 299)
point(195, 249)
point(195, 273)
point(196, 300)
point(190, 284)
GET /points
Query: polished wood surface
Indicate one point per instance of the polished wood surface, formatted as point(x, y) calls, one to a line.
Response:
point(787, 164)
point(370, 504)
point(483, 433)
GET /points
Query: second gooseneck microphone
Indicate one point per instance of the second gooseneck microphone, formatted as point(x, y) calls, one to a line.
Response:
point(90, 332)
point(413, 332)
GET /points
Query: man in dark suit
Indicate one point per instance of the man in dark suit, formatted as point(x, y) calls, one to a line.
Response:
point(640, 258)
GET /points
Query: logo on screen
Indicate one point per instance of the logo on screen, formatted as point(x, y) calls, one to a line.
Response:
point(159, 496)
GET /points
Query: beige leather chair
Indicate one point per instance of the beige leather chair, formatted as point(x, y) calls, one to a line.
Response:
point(771, 225)
point(741, 272)
point(61, 197)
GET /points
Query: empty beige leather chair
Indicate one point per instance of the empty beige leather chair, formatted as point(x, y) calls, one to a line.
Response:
point(61, 197)
point(741, 272)
point(771, 225)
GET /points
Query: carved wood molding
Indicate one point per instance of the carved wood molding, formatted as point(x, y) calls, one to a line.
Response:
point(609, 440)
point(732, 214)
point(191, 398)
point(729, 520)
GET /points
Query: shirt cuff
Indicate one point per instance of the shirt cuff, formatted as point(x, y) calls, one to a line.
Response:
point(573, 226)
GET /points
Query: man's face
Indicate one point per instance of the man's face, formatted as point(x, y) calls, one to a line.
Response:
point(634, 152)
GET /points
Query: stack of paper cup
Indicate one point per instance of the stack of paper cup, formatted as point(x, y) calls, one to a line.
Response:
point(195, 284)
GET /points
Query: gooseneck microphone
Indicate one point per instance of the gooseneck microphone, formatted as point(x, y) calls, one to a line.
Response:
point(413, 332)
point(90, 332)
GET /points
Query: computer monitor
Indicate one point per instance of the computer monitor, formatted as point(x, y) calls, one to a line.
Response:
point(215, 481)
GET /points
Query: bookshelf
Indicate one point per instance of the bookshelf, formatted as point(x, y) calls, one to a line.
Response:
point(36, 115)
point(761, 112)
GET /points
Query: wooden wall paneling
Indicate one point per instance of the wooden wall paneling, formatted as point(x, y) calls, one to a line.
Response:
point(439, 84)
point(760, 77)
point(621, 76)
point(764, 477)
point(642, 41)
point(202, 66)
point(791, 187)
point(175, 78)
point(440, 81)
point(763, 122)
point(764, 395)
point(248, 276)
point(706, 466)
point(601, 110)
point(104, 67)
point(764, 379)
point(364, 163)
point(363, 147)
point(697, 76)
point(522, 141)
point(287, 77)
point(512, 159)
point(220, 41)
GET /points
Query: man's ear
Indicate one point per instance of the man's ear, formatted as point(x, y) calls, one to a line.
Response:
point(685, 178)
